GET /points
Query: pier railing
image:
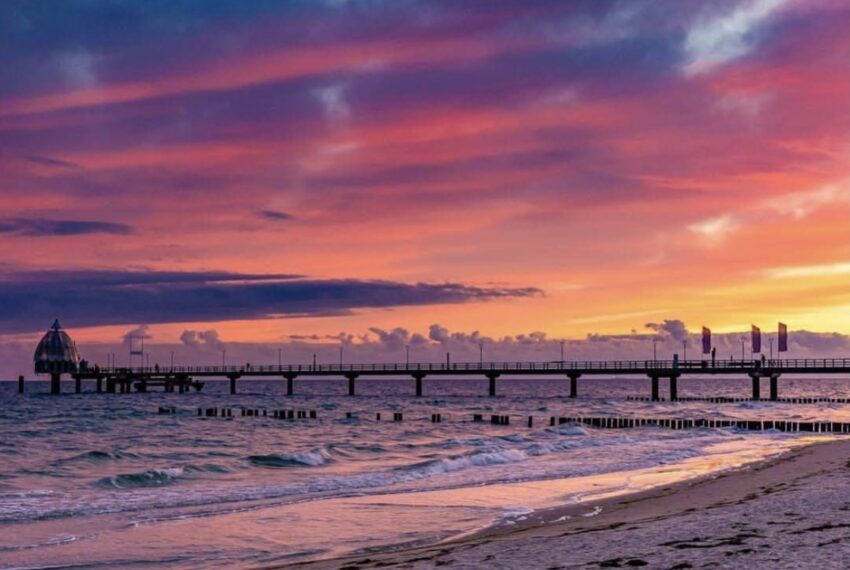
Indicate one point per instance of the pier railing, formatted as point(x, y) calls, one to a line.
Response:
point(503, 367)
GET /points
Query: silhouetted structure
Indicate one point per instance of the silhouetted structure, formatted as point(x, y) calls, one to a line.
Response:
point(56, 354)
point(124, 379)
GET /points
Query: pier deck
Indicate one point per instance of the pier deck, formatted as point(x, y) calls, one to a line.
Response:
point(185, 377)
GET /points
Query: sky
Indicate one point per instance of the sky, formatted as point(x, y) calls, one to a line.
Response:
point(439, 174)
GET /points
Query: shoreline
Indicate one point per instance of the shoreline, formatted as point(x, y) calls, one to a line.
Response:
point(726, 489)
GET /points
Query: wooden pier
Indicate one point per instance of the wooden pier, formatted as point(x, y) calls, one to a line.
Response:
point(182, 379)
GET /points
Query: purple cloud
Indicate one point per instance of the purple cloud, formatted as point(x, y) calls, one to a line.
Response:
point(36, 227)
point(90, 298)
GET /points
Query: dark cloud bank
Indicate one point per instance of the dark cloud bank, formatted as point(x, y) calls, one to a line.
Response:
point(29, 301)
point(37, 227)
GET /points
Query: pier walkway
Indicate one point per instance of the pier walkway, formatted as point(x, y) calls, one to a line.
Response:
point(184, 378)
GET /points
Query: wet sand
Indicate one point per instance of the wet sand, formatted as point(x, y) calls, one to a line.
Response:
point(788, 512)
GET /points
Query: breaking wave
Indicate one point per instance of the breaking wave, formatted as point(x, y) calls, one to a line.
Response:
point(314, 458)
point(149, 478)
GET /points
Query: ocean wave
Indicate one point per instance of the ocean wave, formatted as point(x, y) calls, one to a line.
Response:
point(353, 452)
point(459, 463)
point(149, 478)
point(313, 458)
point(545, 448)
point(99, 455)
point(573, 430)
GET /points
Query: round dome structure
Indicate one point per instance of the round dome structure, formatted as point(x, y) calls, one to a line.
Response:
point(56, 353)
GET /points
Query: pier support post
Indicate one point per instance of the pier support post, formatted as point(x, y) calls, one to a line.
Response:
point(351, 379)
point(674, 387)
point(574, 385)
point(20, 384)
point(654, 387)
point(290, 384)
point(233, 378)
point(99, 384)
point(774, 387)
point(492, 377)
point(756, 378)
point(55, 384)
point(418, 378)
point(78, 384)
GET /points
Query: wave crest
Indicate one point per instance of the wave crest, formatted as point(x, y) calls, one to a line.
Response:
point(313, 458)
point(149, 478)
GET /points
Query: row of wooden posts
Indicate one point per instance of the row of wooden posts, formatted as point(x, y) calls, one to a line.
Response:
point(601, 422)
point(606, 422)
point(736, 400)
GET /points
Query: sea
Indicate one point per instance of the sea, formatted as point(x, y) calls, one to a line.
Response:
point(108, 481)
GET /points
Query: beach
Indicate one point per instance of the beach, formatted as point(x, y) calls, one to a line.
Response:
point(785, 512)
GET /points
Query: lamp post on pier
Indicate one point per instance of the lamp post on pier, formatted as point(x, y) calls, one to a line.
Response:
point(562, 352)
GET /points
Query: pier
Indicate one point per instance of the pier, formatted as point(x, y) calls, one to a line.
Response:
point(184, 378)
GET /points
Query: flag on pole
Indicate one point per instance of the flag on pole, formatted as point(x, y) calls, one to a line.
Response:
point(706, 340)
point(756, 339)
point(783, 337)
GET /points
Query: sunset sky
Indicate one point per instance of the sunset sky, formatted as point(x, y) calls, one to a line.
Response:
point(268, 173)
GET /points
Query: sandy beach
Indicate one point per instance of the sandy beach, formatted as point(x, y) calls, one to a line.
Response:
point(788, 512)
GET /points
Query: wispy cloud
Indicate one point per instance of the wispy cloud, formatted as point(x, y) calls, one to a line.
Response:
point(801, 204)
point(797, 205)
point(824, 270)
point(36, 227)
point(49, 161)
point(719, 39)
point(275, 215)
point(333, 101)
point(716, 228)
